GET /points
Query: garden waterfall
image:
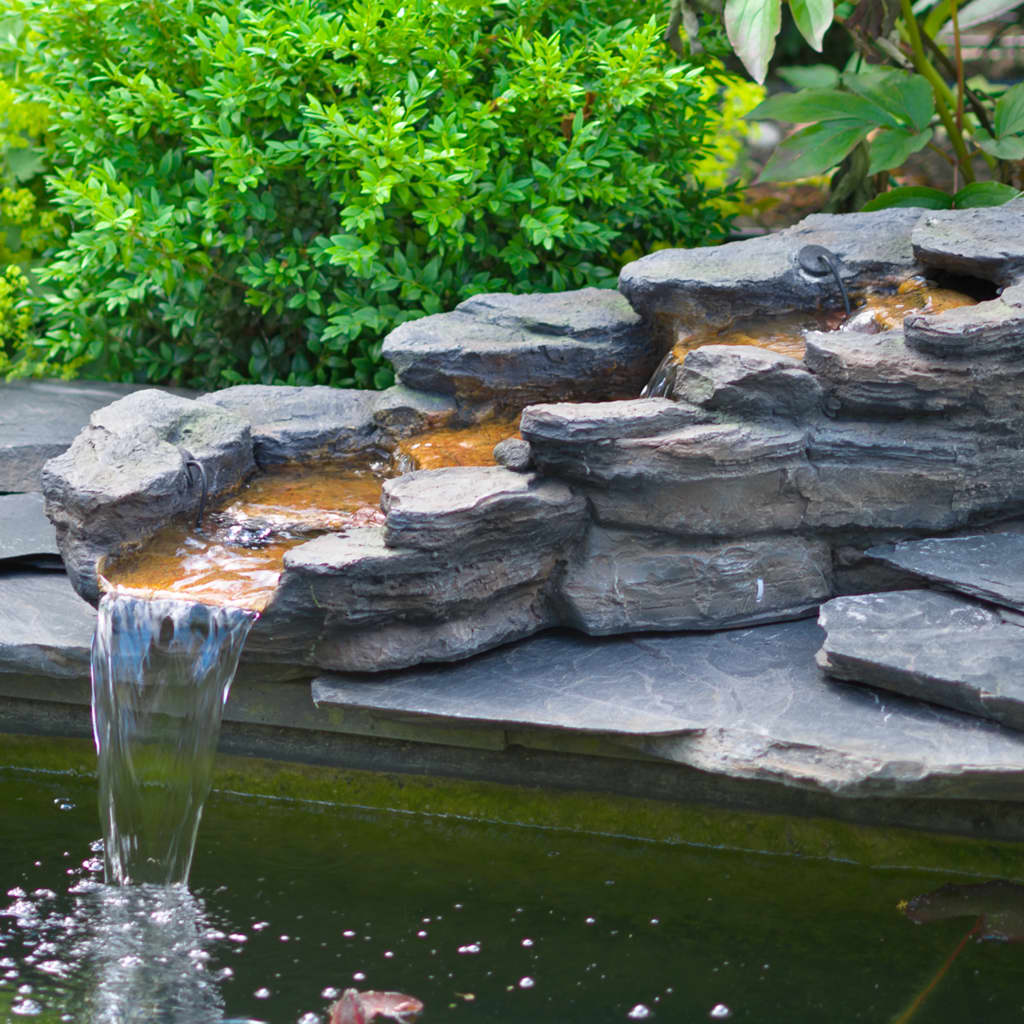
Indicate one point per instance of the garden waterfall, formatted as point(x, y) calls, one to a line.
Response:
point(161, 672)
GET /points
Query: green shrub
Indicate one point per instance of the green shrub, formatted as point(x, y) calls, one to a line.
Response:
point(261, 191)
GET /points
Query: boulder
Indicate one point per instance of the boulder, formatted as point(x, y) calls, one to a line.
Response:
point(40, 418)
point(747, 382)
point(621, 580)
point(511, 350)
point(472, 508)
point(763, 276)
point(125, 475)
point(295, 424)
point(985, 242)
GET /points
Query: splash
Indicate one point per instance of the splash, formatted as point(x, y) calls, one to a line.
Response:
point(161, 671)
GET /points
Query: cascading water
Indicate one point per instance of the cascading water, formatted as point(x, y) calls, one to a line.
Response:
point(161, 671)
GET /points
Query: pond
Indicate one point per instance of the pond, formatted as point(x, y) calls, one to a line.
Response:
point(292, 902)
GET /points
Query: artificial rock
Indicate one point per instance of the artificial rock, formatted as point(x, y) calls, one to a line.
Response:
point(748, 494)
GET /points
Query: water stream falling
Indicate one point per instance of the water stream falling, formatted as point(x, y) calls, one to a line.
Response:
point(161, 671)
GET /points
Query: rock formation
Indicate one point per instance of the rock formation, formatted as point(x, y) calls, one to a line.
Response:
point(749, 495)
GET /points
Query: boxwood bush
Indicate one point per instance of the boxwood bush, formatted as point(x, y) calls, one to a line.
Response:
point(260, 191)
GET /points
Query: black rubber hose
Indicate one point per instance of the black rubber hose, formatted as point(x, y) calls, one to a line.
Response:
point(189, 463)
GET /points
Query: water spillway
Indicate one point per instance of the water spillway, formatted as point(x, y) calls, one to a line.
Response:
point(161, 672)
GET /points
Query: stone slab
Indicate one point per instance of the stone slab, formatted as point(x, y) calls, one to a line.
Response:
point(26, 535)
point(45, 627)
point(40, 418)
point(933, 646)
point(987, 566)
point(747, 704)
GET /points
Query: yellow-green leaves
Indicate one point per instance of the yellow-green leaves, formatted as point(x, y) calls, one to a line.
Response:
point(1007, 143)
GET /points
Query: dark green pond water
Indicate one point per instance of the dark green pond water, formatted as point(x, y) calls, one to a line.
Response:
point(291, 903)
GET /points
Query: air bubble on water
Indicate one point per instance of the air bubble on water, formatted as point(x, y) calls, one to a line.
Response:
point(639, 1012)
point(330, 993)
point(526, 983)
point(720, 1012)
point(359, 976)
point(26, 1008)
point(389, 955)
point(527, 942)
point(348, 934)
point(238, 937)
point(471, 947)
point(262, 993)
point(590, 920)
point(309, 1018)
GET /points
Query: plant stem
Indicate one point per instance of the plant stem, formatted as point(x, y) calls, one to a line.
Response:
point(939, 88)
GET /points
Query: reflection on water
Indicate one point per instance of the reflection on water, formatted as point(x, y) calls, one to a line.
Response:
point(456, 446)
point(161, 671)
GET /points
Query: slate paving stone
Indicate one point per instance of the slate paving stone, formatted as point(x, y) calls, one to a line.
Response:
point(937, 647)
point(40, 418)
point(45, 627)
point(26, 536)
point(987, 566)
point(745, 703)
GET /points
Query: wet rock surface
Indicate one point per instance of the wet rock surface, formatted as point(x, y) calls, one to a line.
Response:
point(126, 474)
point(517, 349)
point(933, 646)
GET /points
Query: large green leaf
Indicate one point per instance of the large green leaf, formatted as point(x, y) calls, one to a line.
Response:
point(813, 150)
point(1009, 148)
point(821, 105)
point(812, 18)
point(752, 26)
point(984, 193)
point(810, 76)
point(904, 96)
point(891, 147)
point(1009, 114)
point(911, 195)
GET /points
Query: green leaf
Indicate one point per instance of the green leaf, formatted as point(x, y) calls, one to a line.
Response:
point(813, 150)
point(752, 26)
point(891, 147)
point(1009, 115)
point(911, 195)
point(812, 76)
point(821, 105)
point(984, 193)
point(977, 12)
point(812, 18)
point(1009, 148)
point(905, 97)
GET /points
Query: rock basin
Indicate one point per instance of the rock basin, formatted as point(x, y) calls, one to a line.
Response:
point(748, 494)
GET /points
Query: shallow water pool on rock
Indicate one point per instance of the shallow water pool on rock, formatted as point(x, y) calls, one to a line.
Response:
point(291, 903)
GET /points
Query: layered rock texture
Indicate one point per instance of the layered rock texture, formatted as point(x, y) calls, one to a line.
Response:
point(750, 495)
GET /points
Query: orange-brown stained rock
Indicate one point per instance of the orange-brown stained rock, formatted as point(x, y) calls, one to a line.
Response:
point(238, 556)
point(466, 446)
point(879, 311)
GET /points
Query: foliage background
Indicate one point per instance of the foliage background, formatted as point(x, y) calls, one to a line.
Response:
point(261, 191)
